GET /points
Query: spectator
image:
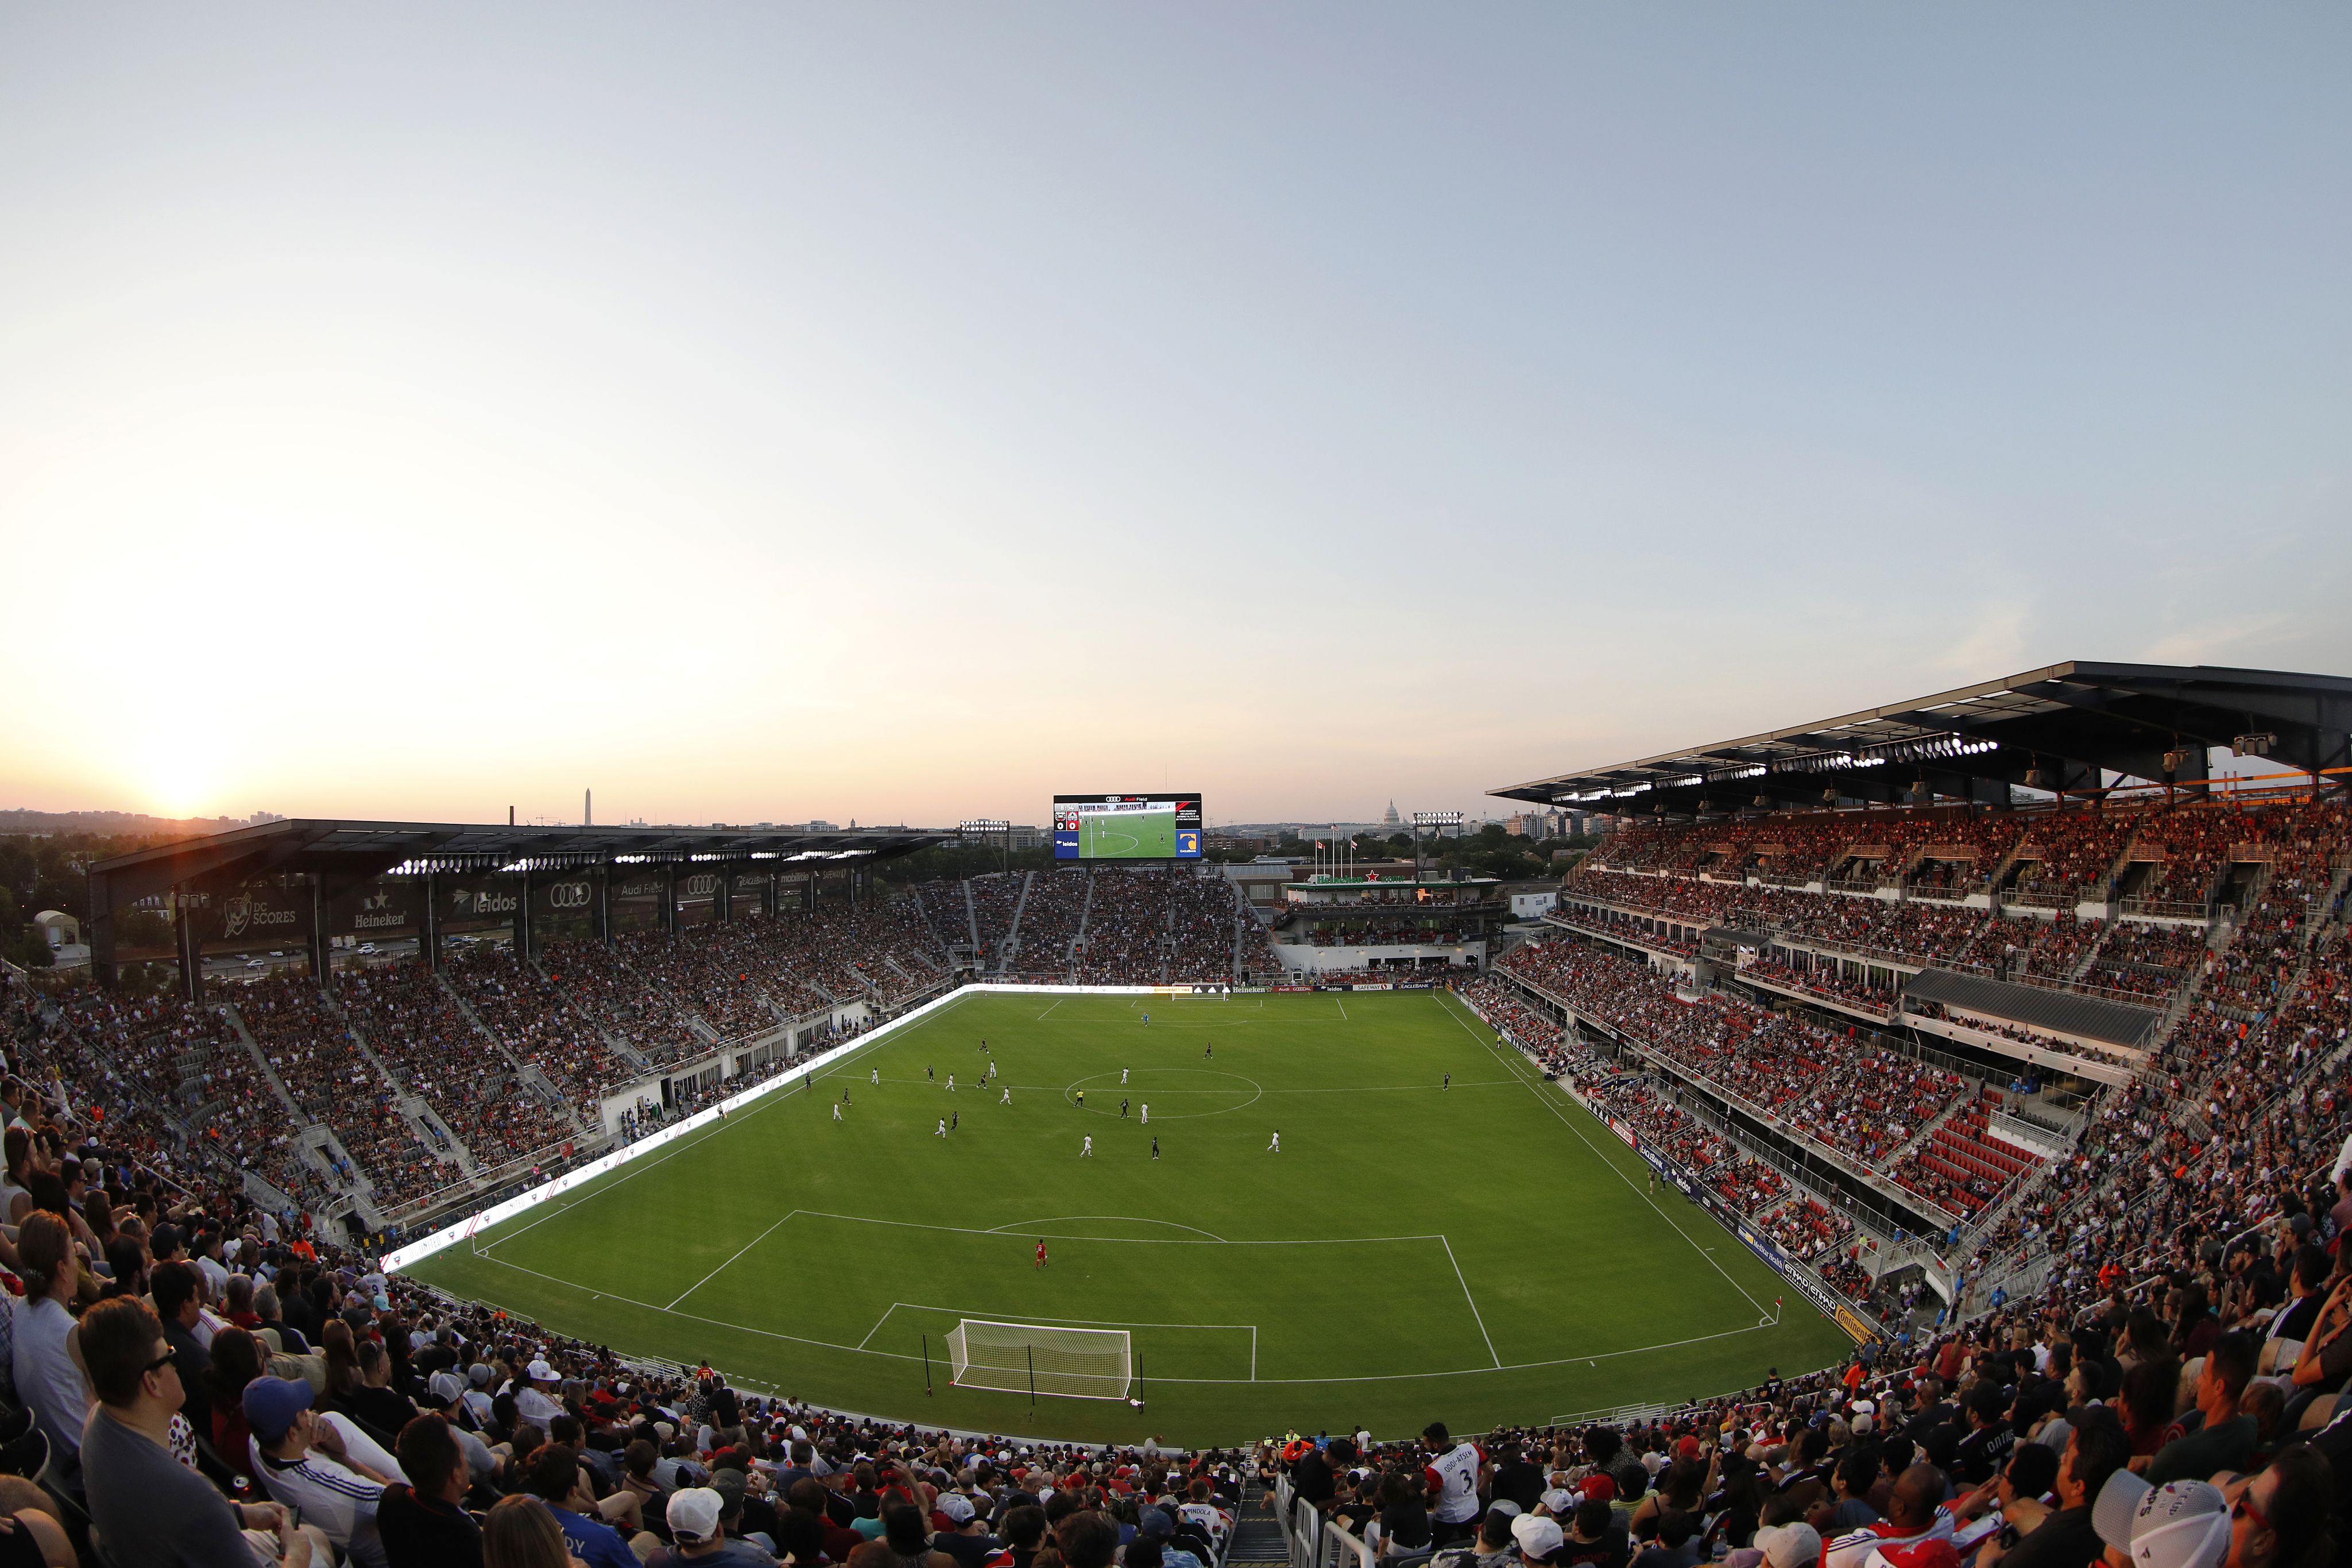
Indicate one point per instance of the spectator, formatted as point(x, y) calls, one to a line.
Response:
point(47, 1378)
point(150, 1507)
point(423, 1522)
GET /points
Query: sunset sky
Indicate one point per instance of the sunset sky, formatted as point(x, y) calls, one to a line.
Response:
point(904, 413)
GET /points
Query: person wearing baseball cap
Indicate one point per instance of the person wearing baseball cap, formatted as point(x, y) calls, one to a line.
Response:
point(1539, 1538)
point(1493, 1544)
point(304, 1461)
point(2180, 1524)
point(694, 1526)
point(536, 1403)
point(1795, 1545)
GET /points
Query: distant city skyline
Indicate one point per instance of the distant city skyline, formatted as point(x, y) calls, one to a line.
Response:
point(897, 415)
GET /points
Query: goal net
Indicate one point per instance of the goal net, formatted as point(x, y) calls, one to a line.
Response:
point(1076, 1363)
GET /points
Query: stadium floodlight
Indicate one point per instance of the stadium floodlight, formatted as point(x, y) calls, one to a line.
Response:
point(985, 825)
point(1070, 1364)
point(1437, 819)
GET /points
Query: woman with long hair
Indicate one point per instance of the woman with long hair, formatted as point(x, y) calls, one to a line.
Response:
point(236, 1361)
point(519, 1532)
point(342, 1354)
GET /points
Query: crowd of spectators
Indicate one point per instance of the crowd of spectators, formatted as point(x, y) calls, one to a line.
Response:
point(1049, 923)
point(433, 1051)
point(1838, 1090)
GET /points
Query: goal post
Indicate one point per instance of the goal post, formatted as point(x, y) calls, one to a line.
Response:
point(1072, 1364)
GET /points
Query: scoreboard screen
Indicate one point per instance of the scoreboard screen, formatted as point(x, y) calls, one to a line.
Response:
point(1126, 827)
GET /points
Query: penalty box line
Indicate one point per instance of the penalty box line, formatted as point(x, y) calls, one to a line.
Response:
point(1069, 1323)
point(1470, 1299)
point(900, 1355)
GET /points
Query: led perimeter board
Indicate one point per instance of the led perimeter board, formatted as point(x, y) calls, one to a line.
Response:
point(1126, 827)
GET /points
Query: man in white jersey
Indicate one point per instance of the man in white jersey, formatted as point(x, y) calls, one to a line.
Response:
point(1008, 1095)
point(1122, 1078)
point(943, 1126)
point(836, 1112)
point(1147, 1116)
point(1088, 1152)
point(877, 1079)
point(950, 1082)
point(1453, 1478)
point(1274, 1147)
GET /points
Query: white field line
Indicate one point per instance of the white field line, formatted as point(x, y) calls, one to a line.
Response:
point(636, 1168)
point(736, 1253)
point(1121, 1219)
point(1466, 1296)
point(1057, 1002)
point(896, 1356)
point(1117, 1240)
point(1343, 1010)
point(1547, 1101)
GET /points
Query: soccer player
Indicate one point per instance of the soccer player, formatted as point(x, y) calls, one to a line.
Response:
point(1088, 1153)
point(1041, 1252)
point(1210, 1052)
point(1147, 1114)
point(1276, 1147)
point(1122, 1107)
point(836, 1112)
point(875, 1078)
point(1449, 1082)
point(932, 1073)
point(950, 1082)
point(1155, 1148)
point(952, 1120)
point(845, 1094)
point(1147, 1020)
point(1082, 1099)
point(1122, 1078)
point(943, 1127)
point(1008, 1095)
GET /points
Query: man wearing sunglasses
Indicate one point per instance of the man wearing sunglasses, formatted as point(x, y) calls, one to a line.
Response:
point(2279, 1516)
point(145, 1505)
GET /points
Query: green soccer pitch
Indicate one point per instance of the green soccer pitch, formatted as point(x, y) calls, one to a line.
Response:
point(1127, 835)
point(1479, 1253)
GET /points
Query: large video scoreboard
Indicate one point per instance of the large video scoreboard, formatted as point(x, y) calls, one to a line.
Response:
point(1126, 827)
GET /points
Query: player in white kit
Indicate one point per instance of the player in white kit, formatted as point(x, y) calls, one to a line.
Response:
point(1088, 1152)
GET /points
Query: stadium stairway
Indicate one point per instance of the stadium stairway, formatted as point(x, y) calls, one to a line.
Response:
point(613, 1041)
point(1257, 1537)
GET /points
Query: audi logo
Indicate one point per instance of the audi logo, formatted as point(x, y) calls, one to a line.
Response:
point(568, 895)
point(696, 886)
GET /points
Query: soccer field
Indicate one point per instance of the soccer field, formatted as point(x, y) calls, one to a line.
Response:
point(1127, 835)
point(1479, 1253)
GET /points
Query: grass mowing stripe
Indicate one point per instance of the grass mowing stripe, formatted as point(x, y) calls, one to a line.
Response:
point(1706, 1252)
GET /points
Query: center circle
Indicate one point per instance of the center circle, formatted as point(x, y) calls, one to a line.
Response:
point(1165, 1090)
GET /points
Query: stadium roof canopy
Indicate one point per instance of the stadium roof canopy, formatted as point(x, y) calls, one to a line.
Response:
point(2065, 728)
point(359, 850)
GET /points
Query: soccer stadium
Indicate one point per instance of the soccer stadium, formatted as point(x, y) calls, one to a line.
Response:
point(1858, 1052)
point(1175, 787)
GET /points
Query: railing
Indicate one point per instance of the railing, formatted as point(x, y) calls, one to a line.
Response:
point(2163, 909)
point(1865, 886)
point(1313, 1541)
point(487, 1177)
